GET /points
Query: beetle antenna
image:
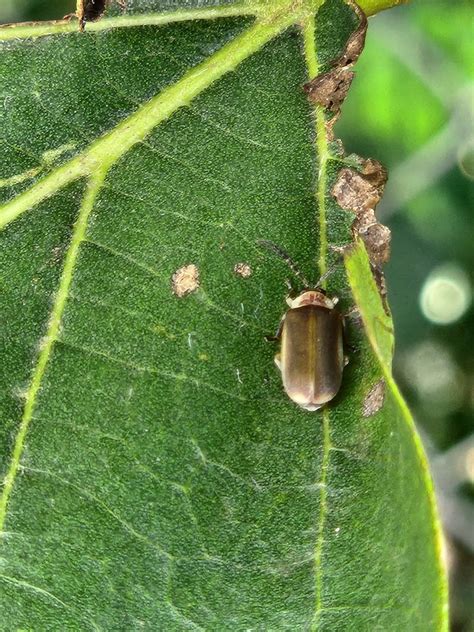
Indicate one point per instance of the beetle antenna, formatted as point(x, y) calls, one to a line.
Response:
point(286, 257)
point(327, 274)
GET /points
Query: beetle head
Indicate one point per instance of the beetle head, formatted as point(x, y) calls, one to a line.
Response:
point(312, 297)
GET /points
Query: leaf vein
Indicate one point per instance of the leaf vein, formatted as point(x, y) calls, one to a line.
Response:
point(51, 337)
point(20, 583)
point(104, 506)
point(41, 29)
point(178, 377)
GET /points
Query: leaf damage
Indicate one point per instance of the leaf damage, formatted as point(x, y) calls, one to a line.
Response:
point(360, 191)
point(330, 88)
point(90, 11)
point(359, 186)
point(93, 10)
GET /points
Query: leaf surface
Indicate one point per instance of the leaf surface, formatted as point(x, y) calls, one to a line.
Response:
point(156, 475)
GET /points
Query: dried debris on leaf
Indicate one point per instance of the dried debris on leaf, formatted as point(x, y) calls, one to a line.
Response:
point(359, 191)
point(374, 399)
point(243, 270)
point(185, 280)
point(330, 88)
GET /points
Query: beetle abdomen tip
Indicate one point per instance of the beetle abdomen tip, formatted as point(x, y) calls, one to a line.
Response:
point(311, 407)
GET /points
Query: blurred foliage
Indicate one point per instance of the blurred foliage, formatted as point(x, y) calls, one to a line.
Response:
point(26, 10)
point(417, 74)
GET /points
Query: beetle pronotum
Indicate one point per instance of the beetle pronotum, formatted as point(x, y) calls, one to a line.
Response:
point(311, 357)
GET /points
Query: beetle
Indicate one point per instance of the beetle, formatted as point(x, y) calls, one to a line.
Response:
point(311, 335)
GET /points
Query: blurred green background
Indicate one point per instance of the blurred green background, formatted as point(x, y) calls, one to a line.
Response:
point(412, 108)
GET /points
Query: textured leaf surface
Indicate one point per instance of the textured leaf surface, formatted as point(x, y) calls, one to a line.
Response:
point(156, 476)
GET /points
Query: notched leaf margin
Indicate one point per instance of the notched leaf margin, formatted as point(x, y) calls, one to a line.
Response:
point(329, 89)
point(359, 185)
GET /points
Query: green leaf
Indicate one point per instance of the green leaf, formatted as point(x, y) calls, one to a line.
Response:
point(156, 476)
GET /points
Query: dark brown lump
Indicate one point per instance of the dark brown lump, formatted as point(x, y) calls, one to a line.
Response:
point(90, 11)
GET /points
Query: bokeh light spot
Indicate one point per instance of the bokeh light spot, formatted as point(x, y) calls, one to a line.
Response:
point(466, 159)
point(433, 373)
point(446, 294)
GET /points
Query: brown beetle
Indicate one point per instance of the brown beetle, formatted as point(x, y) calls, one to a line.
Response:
point(311, 358)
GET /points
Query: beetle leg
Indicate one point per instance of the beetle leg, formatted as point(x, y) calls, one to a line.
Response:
point(346, 360)
point(277, 359)
point(345, 341)
point(277, 335)
point(353, 312)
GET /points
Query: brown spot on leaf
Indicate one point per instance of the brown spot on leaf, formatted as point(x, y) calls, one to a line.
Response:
point(93, 10)
point(330, 88)
point(243, 270)
point(374, 399)
point(185, 280)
